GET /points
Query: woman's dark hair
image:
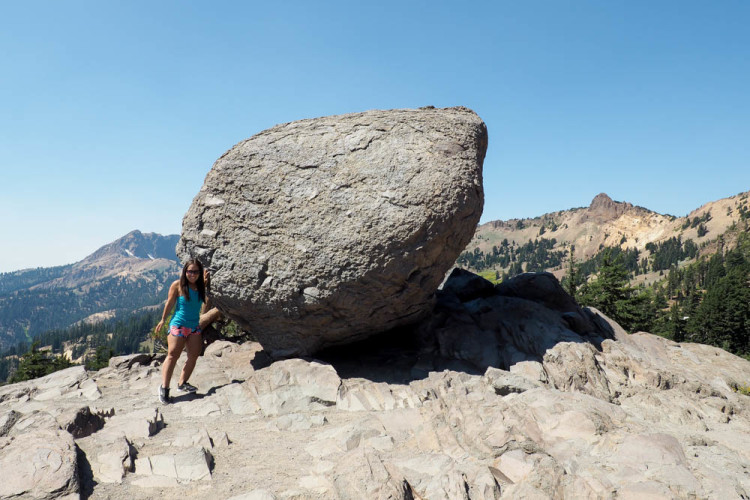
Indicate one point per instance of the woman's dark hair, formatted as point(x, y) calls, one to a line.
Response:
point(185, 287)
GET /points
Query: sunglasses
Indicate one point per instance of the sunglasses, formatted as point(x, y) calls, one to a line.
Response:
point(192, 272)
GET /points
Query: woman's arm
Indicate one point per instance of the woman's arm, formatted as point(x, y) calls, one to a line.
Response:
point(207, 283)
point(174, 291)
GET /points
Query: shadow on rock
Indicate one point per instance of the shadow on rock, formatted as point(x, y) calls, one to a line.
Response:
point(475, 325)
point(186, 396)
point(85, 475)
point(394, 357)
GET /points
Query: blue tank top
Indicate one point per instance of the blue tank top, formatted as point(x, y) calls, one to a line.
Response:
point(187, 312)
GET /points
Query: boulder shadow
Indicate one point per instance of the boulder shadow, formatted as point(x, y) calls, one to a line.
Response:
point(475, 325)
point(393, 357)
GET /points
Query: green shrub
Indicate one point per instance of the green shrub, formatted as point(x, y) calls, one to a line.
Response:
point(159, 337)
point(490, 275)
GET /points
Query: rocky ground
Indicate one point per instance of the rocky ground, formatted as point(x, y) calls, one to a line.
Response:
point(632, 416)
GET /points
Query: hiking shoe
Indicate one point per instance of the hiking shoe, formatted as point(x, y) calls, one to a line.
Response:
point(164, 395)
point(186, 387)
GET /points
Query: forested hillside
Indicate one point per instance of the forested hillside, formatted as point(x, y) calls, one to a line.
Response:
point(513, 258)
point(706, 301)
point(27, 313)
point(89, 343)
point(19, 280)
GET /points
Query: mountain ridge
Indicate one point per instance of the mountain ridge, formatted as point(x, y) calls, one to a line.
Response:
point(126, 274)
point(135, 253)
point(609, 223)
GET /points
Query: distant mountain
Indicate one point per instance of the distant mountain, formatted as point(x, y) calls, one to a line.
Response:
point(148, 246)
point(543, 243)
point(120, 277)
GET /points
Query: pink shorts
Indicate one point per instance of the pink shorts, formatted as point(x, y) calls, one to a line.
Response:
point(183, 331)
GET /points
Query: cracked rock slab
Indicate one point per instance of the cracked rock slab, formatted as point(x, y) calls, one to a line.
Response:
point(193, 464)
point(294, 385)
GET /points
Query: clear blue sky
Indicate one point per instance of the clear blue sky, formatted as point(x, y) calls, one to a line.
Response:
point(112, 113)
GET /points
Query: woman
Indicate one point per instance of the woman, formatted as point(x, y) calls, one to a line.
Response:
point(188, 294)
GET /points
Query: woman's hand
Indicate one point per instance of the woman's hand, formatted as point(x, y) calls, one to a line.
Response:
point(206, 278)
point(158, 326)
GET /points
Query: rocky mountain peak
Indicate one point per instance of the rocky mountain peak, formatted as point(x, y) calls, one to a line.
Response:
point(606, 208)
point(605, 223)
point(140, 245)
point(601, 200)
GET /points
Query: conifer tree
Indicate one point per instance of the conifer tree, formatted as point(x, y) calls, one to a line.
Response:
point(723, 316)
point(100, 359)
point(611, 293)
point(573, 275)
point(676, 325)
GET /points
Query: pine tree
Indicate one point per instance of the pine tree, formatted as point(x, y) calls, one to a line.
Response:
point(676, 327)
point(608, 288)
point(611, 293)
point(723, 316)
point(574, 274)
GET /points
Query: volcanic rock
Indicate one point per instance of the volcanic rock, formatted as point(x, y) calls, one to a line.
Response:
point(605, 208)
point(325, 231)
point(39, 464)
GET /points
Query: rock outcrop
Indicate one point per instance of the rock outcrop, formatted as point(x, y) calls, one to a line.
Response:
point(575, 408)
point(516, 321)
point(325, 231)
point(603, 208)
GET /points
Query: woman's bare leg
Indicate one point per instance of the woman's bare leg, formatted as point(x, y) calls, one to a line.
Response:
point(194, 348)
point(175, 345)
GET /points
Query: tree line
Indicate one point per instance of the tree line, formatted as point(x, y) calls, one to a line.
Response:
point(539, 255)
point(707, 301)
point(18, 280)
point(115, 337)
point(533, 256)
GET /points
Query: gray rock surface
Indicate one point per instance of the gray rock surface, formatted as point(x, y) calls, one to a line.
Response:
point(326, 231)
point(578, 415)
point(38, 464)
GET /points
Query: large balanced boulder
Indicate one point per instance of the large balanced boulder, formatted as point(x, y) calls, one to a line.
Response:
point(325, 231)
